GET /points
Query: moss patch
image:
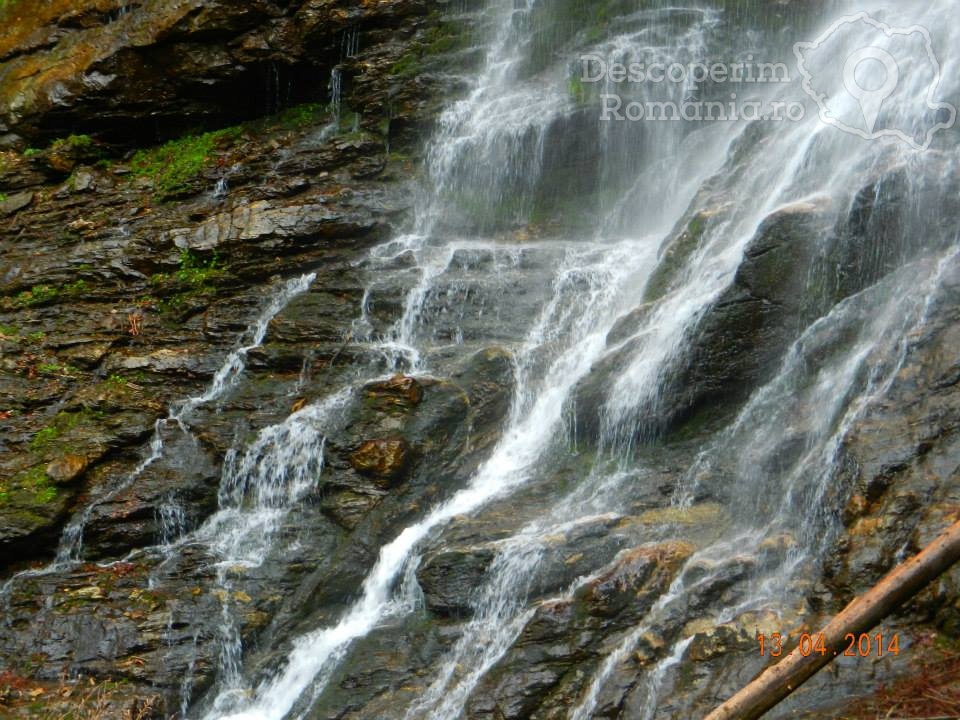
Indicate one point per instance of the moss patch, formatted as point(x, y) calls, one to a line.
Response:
point(31, 487)
point(37, 295)
point(63, 423)
point(445, 37)
point(705, 514)
point(174, 167)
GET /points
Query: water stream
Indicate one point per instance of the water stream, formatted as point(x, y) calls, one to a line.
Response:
point(594, 295)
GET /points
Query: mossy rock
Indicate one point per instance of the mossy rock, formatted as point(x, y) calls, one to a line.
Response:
point(32, 509)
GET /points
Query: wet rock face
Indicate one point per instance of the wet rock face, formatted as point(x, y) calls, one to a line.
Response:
point(898, 468)
point(542, 670)
point(120, 295)
point(750, 327)
point(135, 67)
point(448, 578)
point(398, 393)
point(740, 338)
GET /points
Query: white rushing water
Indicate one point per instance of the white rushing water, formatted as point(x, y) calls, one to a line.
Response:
point(739, 174)
point(227, 375)
point(582, 317)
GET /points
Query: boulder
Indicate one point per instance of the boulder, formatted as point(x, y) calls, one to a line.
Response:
point(67, 468)
point(739, 340)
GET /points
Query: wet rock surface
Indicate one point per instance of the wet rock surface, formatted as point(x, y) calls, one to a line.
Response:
point(123, 289)
point(122, 295)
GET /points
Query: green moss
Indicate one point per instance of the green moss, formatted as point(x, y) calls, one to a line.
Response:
point(46, 494)
point(58, 370)
point(37, 295)
point(439, 39)
point(445, 38)
point(62, 423)
point(301, 116)
point(407, 65)
point(43, 295)
point(72, 142)
point(675, 256)
point(30, 152)
point(576, 89)
point(75, 288)
point(3, 197)
point(117, 381)
point(9, 331)
point(43, 438)
point(556, 23)
point(30, 487)
point(195, 271)
point(175, 166)
point(191, 280)
point(6, 5)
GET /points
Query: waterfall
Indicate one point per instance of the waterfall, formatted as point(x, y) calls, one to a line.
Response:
point(227, 375)
point(336, 89)
point(671, 219)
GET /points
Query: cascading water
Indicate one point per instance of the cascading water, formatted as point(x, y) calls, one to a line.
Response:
point(227, 375)
point(601, 254)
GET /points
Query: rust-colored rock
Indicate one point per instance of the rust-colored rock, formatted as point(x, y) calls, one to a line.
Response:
point(384, 459)
point(400, 391)
point(633, 573)
point(67, 468)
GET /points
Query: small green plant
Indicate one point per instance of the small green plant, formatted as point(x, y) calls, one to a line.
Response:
point(117, 381)
point(172, 305)
point(31, 152)
point(36, 295)
point(9, 331)
point(57, 370)
point(72, 143)
point(3, 197)
point(76, 287)
point(195, 271)
point(174, 167)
